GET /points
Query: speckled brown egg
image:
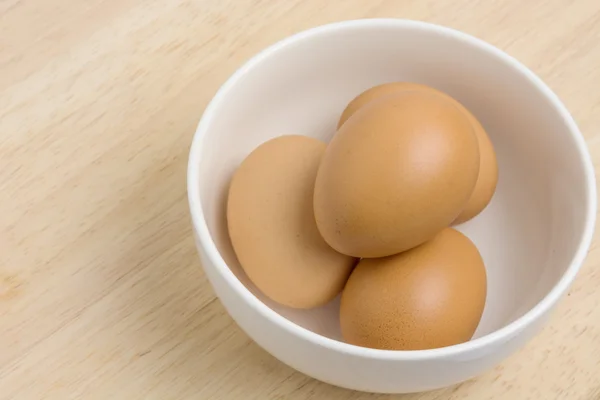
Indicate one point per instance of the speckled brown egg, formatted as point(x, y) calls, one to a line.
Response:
point(272, 227)
point(396, 173)
point(488, 165)
point(428, 297)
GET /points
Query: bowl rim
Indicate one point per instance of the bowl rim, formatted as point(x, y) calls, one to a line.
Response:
point(494, 338)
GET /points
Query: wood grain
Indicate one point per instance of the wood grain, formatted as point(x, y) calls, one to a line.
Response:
point(101, 292)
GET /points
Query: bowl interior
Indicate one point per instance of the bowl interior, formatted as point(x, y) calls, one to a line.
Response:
point(529, 233)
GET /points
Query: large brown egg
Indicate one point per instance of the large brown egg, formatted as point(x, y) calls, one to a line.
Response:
point(396, 173)
point(428, 297)
point(272, 225)
point(488, 165)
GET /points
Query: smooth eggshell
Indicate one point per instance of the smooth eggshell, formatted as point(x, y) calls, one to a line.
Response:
point(488, 165)
point(428, 297)
point(486, 181)
point(272, 227)
point(396, 173)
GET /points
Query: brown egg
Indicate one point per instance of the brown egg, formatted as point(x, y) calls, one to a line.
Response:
point(272, 226)
point(488, 166)
point(487, 179)
point(396, 173)
point(427, 297)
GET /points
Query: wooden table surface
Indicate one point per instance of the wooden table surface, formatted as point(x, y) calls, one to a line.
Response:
point(101, 293)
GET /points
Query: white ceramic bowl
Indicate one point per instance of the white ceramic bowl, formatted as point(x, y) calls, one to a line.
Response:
point(533, 236)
